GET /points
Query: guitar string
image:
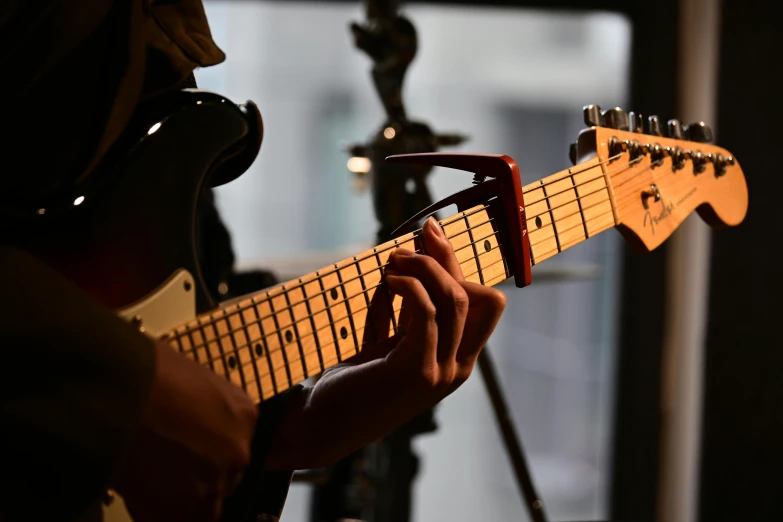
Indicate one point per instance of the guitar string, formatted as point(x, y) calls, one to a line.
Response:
point(262, 372)
point(628, 200)
point(242, 366)
point(473, 258)
point(480, 268)
point(462, 215)
point(376, 251)
point(621, 202)
point(277, 331)
point(336, 344)
point(459, 218)
point(414, 236)
point(226, 312)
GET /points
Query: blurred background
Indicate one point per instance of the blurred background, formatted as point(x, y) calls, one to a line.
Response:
point(603, 358)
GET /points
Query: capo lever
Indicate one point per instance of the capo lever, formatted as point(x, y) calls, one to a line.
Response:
point(505, 184)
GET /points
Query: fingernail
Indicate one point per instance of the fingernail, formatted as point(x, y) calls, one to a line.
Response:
point(435, 226)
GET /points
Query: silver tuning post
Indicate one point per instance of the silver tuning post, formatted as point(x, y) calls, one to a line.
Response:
point(699, 132)
point(592, 114)
point(636, 122)
point(653, 126)
point(615, 119)
point(675, 129)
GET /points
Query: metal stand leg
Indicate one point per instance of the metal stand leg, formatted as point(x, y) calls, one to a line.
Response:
point(510, 438)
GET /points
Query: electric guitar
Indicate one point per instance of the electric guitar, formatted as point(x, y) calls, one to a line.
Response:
point(136, 249)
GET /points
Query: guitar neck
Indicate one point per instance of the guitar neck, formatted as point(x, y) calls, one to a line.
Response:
point(269, 341)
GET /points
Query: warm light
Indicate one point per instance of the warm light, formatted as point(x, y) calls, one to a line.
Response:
point(359, 165)
point(41, 211)
point(389, 132)
point(198, 102)
point(78, 201)
point(153, 128)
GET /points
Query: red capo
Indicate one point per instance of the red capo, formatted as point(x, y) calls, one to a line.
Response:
point(505, 185)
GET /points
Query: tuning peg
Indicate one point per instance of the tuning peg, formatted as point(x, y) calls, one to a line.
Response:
point(635, 122)
point(572, 153)
point(675, 129)
point(700, 132)
point(615, 119)
point(592, 114)
point(653, 126)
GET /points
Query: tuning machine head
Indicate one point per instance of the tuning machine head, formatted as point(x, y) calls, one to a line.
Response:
point(614, 118)
point(654, 126)
point(674, 128)
point(635, 122)
point(699, 132)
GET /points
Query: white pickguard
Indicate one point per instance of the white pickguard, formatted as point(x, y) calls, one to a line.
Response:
point(173, 303)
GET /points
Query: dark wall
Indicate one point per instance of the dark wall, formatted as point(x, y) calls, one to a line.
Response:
point(742, 442)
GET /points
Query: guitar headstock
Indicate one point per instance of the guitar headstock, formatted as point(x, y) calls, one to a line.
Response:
point(657, 178)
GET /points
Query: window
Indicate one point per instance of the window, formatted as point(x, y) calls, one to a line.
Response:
point(514, 81)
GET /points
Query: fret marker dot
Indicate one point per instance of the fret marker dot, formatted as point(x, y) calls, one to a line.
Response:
point(259, 350)
point(334, 294)
point(538, 222)
point(289, 336)
point(343, 332)
point(487, 245)
point(232, 363)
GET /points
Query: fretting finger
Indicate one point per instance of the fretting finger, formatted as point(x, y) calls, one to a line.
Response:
point(486, 307)
point(422, 324)
point(450, 299)
point(440, 248)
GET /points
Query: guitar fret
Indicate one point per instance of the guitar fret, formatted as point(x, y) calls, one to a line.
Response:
point(177, 339)
point(286, 364)
point(579, 202)
point(266, 348)
point(369, 325)
point(347, 308)
point(310, 315)
point(225, 335)
point(490, 261)
point(202, 342)
point(389, 300)
point(193, 346)
point(331, 319)
point(214, 348)
point(219, 343)
point(475, 251)
point(234, 331)
point(551, 216)
point(250, 348)
point(296, 332)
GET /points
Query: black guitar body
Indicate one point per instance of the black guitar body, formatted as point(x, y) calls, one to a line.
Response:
point(134, 222)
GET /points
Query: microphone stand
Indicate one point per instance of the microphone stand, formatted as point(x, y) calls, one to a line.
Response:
point(375, 483)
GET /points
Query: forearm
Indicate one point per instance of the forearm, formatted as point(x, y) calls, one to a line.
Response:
point(78, 379)
point(347, 409)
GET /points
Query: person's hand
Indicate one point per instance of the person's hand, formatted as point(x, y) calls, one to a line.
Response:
point(192, 447)
point(444, 324)
point(445, 320)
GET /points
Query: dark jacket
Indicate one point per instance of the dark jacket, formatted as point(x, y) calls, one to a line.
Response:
point(75, 377)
